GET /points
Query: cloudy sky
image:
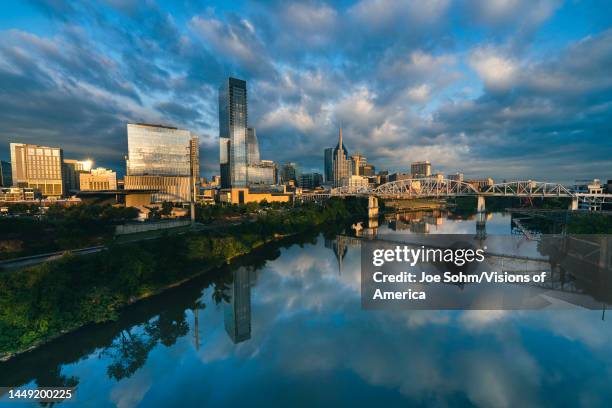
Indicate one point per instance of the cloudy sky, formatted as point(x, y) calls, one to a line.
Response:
point(502, 88)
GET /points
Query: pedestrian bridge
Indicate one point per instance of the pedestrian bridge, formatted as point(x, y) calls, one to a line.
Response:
point(444, 188)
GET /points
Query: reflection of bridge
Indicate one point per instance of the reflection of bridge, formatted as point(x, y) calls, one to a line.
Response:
point(444, 188)
point(577, 265)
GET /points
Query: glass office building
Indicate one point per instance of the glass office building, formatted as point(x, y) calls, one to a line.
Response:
point(162, 158)
point(155, 150)
point(262, 173)
point(233, 127)
point(252, 146)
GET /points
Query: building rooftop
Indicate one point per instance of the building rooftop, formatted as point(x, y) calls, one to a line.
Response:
point(154, 125)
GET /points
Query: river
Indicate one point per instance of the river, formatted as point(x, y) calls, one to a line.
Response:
point(284, 325)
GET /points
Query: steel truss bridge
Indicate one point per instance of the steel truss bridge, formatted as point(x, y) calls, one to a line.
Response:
point(444, 188)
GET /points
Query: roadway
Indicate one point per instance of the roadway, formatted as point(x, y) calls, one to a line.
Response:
point(26, 261)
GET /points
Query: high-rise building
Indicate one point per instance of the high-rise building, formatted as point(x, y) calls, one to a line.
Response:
point(383, 175)
point(37, 167)
point(252, 146)
point(288, 172)
point(99, 179)
point(194, 158)
point(328, 164)
point(358, 161)
point(262, 172)
point(72, 170)
point(310, 180)
point(224, 166)
point(420, 169)
point(233, 119)
point(162, 158)
point(368, 170)
point(6, 174)
point(341, 164)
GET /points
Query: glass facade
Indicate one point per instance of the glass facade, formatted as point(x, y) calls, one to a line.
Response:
point(328, 159)
point(288, 172)
point(252, 146)
point(162, 158)
point(262, 173)
point(233, 126)
point(310, 181)
point(6, 174)
point(158, 151)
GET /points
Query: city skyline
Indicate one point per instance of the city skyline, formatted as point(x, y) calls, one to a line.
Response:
point(508, 90)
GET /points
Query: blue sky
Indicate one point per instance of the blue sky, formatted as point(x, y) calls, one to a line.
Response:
point(503, 88)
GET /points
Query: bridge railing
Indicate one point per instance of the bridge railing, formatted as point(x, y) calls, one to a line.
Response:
point(438, 188)
point(528, 188)
point(426, 187)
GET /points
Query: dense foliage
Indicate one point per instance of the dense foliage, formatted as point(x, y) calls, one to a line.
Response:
point(590, 223)
point(40, 302)
point(207, 214)
point(61, 228)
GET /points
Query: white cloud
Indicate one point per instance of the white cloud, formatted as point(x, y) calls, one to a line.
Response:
point(497, 71)
point(291, 117)
point(381, 13)
point(419, 94)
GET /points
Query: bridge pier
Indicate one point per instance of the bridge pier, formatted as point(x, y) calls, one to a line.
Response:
point(481, 226)
point(574, 204)
point(480, 206)
point(372, 207)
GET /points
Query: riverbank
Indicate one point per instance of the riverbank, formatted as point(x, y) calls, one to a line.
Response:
point(40, 303)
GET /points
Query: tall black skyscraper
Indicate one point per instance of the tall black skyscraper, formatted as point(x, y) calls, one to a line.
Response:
point(328, 163)
point(233, 133)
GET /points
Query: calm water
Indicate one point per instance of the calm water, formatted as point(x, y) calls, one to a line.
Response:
point(285, 326)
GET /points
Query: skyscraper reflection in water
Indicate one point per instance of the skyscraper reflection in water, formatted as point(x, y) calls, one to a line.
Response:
point(237, 312)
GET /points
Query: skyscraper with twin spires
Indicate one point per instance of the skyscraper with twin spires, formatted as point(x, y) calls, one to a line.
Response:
point(341, 163)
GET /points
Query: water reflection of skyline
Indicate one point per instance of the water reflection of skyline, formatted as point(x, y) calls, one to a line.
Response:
point(237, 308)
point(579, 267)
point(309, 337)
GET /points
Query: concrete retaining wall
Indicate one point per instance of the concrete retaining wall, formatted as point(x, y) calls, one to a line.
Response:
point(149, 226)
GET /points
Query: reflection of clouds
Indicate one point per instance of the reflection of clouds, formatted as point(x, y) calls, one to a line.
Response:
point(415, 352)
point(301, 281)
point(130, 392)
point(580, 326)
point(500, 378)
point(477, 319)
point(308, 322)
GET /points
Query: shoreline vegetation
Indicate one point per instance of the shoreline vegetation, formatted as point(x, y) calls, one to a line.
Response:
point(43, 302)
